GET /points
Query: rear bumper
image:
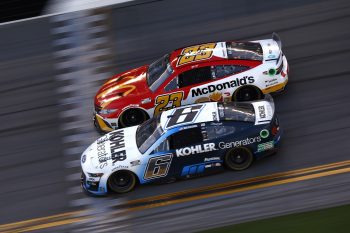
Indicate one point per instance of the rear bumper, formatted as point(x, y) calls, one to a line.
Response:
point(282, 79)
point(276, 140)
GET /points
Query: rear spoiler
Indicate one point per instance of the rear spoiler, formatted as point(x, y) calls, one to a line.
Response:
point(276, 38)
point(264, 110)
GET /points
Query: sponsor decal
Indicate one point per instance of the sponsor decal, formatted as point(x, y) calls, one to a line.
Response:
point(168, 101)
point(184, 115)
point(209, 165)
point(120, 167)
point(117, 146)
point(262, 113)
point(244, 142)
point(83, 158)
point(196, 53)
point(271, 56)
point(216, 96)
point(197, 149)
point(211, 159)
point(123, 87)
point(271, 82)
point(264, 133)
point(102, 139)
point(189, 127)
point(135, 163)
point(101, 152)
point(158, 166)
point(93, 179)
point(265, 146)
point(215, 116)
point(222, 86)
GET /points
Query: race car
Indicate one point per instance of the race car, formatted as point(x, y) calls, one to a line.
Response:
point(180, 143)
point(222, 71)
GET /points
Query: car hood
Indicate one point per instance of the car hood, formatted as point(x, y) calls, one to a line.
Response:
point(114, 150)
point(129, 84)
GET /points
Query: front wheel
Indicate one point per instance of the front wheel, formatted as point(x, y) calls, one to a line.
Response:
point(132, 116)
point(122, 181)
point(239, 158)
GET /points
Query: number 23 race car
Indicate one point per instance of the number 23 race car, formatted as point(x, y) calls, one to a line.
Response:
point(181, 143)
point(222, 71)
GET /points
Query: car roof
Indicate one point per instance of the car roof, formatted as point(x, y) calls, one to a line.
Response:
point(204, 53)
point(189, 115)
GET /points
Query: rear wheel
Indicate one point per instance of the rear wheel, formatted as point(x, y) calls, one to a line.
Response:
point(131, 117)
point(122, 181)
point(238, 158)
point(248, 93)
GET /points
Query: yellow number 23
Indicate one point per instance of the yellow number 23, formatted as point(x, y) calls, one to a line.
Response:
point(162, 102)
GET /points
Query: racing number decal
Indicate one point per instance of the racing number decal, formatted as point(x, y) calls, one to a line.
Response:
point(158, 166)
point(196, 53)
point(163, 100)
point(184, 115)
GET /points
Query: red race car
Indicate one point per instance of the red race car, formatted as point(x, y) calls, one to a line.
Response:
point(220, 71)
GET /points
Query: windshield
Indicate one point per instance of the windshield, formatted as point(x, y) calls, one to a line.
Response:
point(237, 112)
point(158, 72)
point(148, 133)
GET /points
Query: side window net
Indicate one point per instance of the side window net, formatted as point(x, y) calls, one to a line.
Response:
point(194, 76)
point(185, 138)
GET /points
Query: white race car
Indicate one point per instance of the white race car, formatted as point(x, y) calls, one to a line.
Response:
point(180, 143)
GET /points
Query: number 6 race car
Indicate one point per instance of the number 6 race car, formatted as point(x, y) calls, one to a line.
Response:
point(180, 143)
point(223, 71)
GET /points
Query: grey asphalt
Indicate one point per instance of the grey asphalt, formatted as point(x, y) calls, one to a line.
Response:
point(314, 110)
point(31, 167)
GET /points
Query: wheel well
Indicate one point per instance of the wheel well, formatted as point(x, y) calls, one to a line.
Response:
point(140, 109)
point(247, 86)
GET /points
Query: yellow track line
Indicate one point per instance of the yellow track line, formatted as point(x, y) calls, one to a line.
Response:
point(46, 225)
point(58, 220)
point(26, 222)
point(257, 186)
point(242, 182)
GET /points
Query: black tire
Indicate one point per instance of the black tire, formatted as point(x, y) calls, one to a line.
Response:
point(131, 117)
point(122, 181)
point(248, 93)
point(238, 159)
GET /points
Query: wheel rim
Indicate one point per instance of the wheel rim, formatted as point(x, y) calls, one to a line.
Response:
point(122, 182)
point(133, 117)
point(239, 159)
point(247, 94)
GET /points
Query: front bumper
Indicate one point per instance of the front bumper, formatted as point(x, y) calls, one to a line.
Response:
point(103, 125)
point(93, 187)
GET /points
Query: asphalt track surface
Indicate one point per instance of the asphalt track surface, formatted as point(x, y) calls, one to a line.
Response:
point(314, 112)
